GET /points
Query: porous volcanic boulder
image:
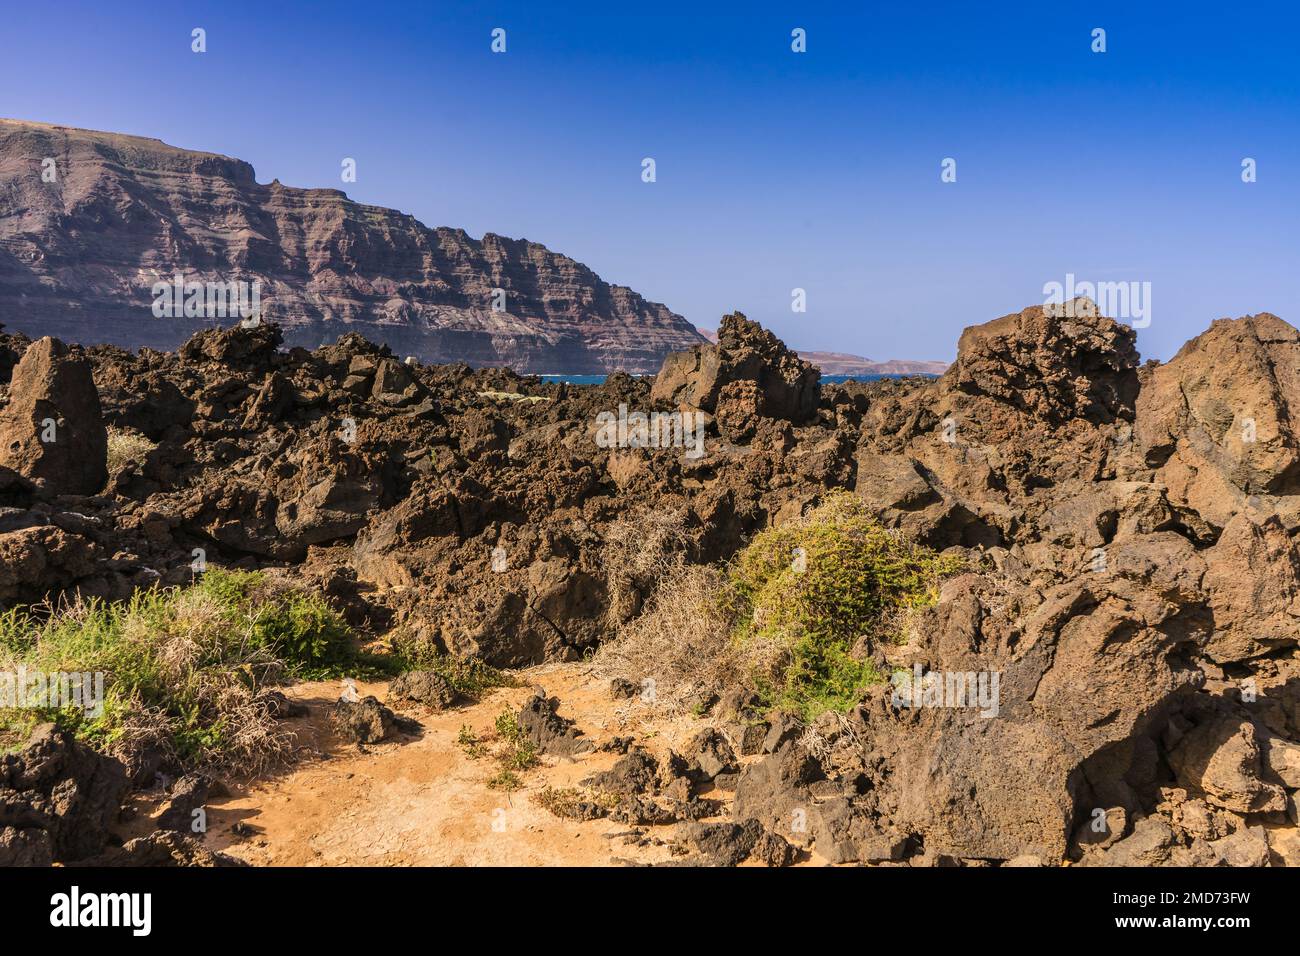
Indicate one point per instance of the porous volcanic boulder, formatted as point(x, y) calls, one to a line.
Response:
point(188, 794)
point(1252, 579)
point(634, 774)
point(1054, 364)
point(52, 431)
point(996, 772)
point(1036, 399)
point(775, 791)
point(730, 844)
point(251, 347)
point(550, 733)
point(162, 848)
point(1221, 761)
point(710, 754)
point(40, 559)
point(423, 687)
point(748, 375)
point(1218, 422)
point(58, 800)
point(367, 721)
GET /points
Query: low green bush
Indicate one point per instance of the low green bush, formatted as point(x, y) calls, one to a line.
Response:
point(804, 593)
point(182, 666)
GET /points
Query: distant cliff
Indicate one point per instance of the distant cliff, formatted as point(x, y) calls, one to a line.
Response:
point(841, 363)
point(79, 256)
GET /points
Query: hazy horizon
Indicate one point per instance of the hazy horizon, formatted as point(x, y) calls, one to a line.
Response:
point(775, 170)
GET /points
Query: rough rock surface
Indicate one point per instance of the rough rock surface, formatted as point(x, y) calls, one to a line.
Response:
point(58, 800)
point(52, 430)
point(367, 721)
point(188, 794)
point(747, 376)
point(423, 687)
point(162, 848)
point(1133, 561)
point(550, 733)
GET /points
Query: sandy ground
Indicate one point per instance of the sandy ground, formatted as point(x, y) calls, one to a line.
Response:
point(422, 801)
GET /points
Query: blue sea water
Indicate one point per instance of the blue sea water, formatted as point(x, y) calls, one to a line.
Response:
point(597, 379)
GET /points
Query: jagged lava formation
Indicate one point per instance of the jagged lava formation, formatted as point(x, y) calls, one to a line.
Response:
point(1132, 532)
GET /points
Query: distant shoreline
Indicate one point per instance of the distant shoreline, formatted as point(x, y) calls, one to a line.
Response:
point(556, 377)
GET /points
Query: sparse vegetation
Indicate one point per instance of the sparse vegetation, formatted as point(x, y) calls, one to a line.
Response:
point(509, 746)
point(126, 445)
point(517, 752)
point(513, 397)
point(571, 803)
point(786, 616)
point(183, 666)
point(469, 676)
point(506, 780)
point(468, 741)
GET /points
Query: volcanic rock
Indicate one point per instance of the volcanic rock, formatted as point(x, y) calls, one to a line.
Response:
point(551, 733)
point(747, 376)
point(423, 687)
point(52, 431)
point(58, 800)
point(367, 721)
point(1221, 761)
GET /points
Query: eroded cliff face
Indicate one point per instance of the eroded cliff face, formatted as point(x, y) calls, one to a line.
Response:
point(79, 256)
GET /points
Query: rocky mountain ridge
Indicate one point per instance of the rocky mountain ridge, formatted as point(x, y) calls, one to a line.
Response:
point(89, 221)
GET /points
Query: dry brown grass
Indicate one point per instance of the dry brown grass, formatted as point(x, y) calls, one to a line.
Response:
point(681, 641)
point(125, 445)
point(641, 548)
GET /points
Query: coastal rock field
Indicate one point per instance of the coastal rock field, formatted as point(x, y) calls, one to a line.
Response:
point(1040, 610)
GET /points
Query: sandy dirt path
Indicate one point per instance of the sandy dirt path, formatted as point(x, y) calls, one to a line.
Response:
point(425, 802)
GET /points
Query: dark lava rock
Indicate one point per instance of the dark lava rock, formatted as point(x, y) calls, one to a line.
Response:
point(367, 721)
point(423, 687)
point(58, 799)
point(188, 794)
point(551, 733)
point(162, 848)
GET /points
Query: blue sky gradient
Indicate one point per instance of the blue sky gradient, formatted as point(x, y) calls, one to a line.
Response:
point(775, 170)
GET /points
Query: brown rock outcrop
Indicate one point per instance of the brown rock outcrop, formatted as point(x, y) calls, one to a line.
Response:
point(748, 375)
point(52, 431)
point(1217, 422)
point(58, 800)
point(1129, 617)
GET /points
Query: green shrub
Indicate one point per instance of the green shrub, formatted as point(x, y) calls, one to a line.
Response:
point(798, 621)
point(125, 445)
point(183, 666)
point(298, 627)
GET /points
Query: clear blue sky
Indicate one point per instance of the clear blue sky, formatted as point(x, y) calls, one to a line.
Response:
point(775, 170)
